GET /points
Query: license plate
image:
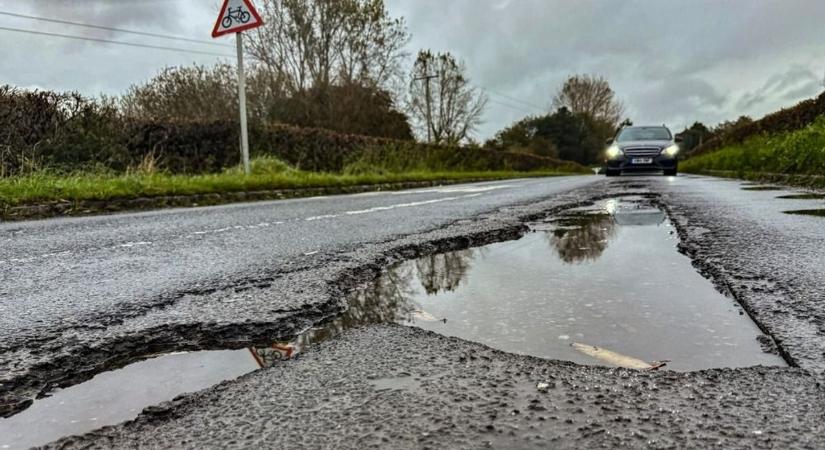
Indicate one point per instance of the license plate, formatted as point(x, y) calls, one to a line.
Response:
point(642, 161)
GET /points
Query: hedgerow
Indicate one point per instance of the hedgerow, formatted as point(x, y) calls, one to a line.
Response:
point(65, 133)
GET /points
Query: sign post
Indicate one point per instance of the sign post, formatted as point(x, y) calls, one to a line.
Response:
point(242, 105)
point(237, 16)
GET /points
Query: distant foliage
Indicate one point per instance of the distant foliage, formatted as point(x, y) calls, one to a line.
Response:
point(562, 134)
point(789, 119)
point(694, 136)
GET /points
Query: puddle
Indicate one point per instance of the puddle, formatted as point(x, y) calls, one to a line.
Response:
point(119, 395)
point(808, 212)
point(762, 188)
point(805, 196)
point(608, 276)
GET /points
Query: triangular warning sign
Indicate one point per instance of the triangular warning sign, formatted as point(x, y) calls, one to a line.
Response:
point(236, 16)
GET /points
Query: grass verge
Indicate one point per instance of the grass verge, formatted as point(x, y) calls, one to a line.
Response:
point(267, 175)
point(794, 158)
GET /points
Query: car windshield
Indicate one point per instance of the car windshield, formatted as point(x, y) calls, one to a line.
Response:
point(644, 134)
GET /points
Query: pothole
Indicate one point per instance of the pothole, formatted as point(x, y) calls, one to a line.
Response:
point(601, 285)
point(762, 188)
point(803, 196)
point(591, 286)
point(807, 212)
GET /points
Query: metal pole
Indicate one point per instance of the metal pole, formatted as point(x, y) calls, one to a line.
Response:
point(242, 105)
point(429, 110)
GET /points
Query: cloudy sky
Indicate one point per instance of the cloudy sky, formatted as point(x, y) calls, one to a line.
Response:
point(670, 61)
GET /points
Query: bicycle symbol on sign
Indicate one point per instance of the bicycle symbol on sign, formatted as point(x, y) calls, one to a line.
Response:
point(233, 15)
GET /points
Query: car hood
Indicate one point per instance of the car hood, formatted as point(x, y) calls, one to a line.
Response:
point(628, 144)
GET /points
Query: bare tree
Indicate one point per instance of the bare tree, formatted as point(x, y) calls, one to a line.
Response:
point(446, 107)
point(318, 43)
point(591, 95)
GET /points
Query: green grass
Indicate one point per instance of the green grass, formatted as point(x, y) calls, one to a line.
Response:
point(267, 174)
point(798, 157)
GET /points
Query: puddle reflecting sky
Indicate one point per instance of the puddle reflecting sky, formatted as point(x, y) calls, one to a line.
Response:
point(113, 397)
point(609, 276)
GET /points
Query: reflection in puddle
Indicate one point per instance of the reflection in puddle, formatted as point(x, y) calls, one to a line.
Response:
point(808, 212)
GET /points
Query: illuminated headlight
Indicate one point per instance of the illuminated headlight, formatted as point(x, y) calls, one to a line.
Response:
point(613, 152)
point(671, 151)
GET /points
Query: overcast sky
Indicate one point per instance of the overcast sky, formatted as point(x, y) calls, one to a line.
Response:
point(670, 62)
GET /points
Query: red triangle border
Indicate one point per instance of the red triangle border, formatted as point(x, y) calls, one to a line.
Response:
point(258, 21)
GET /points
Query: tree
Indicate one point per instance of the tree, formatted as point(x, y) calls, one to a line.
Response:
point(562, 134)
point(442, 102)
point(318, 43)
point(590, 95)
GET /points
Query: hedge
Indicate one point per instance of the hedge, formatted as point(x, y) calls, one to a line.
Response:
point(785, 120)
point(64, 132)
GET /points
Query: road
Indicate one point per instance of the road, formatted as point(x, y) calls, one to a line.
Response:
point(81, 295)
point(68, 284)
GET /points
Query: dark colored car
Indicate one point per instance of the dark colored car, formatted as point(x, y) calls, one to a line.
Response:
point(642, 149)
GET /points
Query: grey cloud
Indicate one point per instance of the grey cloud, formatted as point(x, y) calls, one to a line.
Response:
point(792, 84)
point(669, 61)
point(154, 14)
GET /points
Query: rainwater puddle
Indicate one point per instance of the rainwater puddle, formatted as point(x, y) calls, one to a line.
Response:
point(119, 395)
point(608, 276)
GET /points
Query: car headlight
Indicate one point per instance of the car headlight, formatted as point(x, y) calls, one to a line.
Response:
point(671, 151)
point(613, 151)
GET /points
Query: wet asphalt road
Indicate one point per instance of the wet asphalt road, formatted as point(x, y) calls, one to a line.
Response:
point(72, 286)
point(68, 271)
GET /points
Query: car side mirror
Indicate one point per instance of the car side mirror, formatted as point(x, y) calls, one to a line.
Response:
point(608, 141)
point(679, 139)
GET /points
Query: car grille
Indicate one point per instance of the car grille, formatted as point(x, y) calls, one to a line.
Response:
point(643, 151)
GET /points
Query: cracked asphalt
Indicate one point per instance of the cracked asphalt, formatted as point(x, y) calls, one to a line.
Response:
point(80, 296)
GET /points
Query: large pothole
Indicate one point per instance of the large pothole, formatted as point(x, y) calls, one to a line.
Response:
point(598, 285)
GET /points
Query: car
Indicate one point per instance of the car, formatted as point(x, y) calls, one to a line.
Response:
point(642, 149)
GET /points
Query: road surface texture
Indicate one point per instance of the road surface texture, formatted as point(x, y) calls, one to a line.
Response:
point(80, 296)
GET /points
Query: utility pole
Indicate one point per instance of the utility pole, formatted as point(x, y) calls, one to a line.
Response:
point(426, 78)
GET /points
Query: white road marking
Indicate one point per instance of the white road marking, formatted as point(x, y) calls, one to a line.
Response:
point(455, 189)
point(134, 244)
point(325, 216)
point(408, 205)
